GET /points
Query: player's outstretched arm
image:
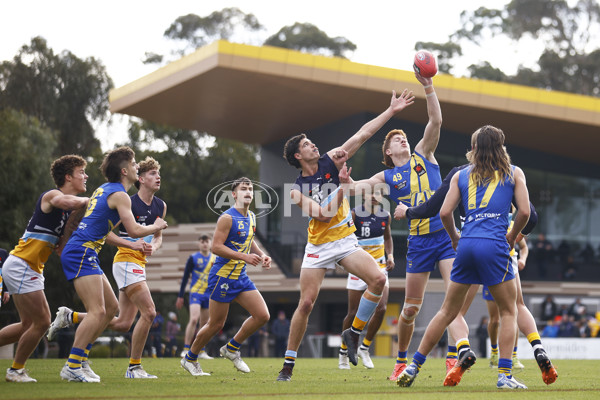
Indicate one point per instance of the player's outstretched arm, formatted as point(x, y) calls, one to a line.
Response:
point(351, 146)
point(431, 135)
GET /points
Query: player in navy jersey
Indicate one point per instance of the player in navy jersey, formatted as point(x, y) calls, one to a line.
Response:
point(129, 270)
point(235, 248)
point(108, 206)
point(22, 271)
point(374, 233)
point(412, 178)
point(197, 267)
point(486, 189)
point(331, 238)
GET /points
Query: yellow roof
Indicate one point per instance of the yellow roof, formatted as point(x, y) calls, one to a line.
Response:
point(262, 94)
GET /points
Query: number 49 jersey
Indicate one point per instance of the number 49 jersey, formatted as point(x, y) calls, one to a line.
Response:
point(413, 184)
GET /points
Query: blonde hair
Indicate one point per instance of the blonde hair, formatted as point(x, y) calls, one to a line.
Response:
point(387, 160)
point(148, 164)
point(489, 155)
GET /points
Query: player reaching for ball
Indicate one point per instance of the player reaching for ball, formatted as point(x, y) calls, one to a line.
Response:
point(412, 179)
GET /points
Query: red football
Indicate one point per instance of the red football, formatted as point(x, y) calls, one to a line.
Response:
point(425, 64)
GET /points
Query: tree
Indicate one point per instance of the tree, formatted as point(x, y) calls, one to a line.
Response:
point(310, 39)
point(571, 59)
point(24, 173)
point(191, 165)
point(193, 31)
point(62, 91)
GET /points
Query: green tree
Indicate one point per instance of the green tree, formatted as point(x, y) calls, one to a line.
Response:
point(191, 165)
point(192, 31)
point(62, 91)
point(308, 38)
point(569, 31)
point(25, 171)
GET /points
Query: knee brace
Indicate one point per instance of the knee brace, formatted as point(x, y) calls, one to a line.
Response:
point(415, 306)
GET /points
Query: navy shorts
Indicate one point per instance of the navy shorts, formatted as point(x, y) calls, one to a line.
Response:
point(485, 261)
point(225, 290)
point(425, 250)
point(199, 298)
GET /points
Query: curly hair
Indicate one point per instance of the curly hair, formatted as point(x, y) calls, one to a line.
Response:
point(114, 161)
point(292, 146)
point(387, 160)
point(149, 164)
point(489, 155)
point(64, 166)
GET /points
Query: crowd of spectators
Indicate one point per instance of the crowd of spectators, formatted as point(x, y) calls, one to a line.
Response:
point(569, 255)
point(568, 320)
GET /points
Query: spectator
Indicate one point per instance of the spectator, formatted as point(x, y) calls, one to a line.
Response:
point(280, 329)
point(551, 329)
point(255, 342)
point(567, 327)
point(564, 251)
point(482, 335)
point(569, 270)
point(577, 310)
point(587, 254)
point(584, 329)
point(543, 254)
point(549, 309)
point(155, 335)
point(173, 329)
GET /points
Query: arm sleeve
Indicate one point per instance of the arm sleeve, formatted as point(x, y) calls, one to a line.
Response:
point(432, 206)
point(189, 266)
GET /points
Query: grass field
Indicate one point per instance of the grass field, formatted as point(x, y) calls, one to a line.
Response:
point(313, 379)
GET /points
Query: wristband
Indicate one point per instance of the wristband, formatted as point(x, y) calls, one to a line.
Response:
point(430, 94)
point(427, 87)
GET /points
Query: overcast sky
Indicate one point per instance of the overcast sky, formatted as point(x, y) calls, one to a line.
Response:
point(120, 32)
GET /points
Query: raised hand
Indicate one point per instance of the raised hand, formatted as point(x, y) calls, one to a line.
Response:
point(344, 174)
point(405, 99)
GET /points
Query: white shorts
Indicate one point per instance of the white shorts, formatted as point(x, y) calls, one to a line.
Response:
point(355, 283)
point(127, 273)
point(326, 255)
point(515, 264)
point(19, 278)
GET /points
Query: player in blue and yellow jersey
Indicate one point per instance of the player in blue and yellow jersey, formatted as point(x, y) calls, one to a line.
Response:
point(129, 270)
point(22, 271)
point(197, 267)
point(235, 248)
point(331, 238)
point(374, 233)
point(526, 321)
point(109, 205)
point(486, 189)
point(411, 179)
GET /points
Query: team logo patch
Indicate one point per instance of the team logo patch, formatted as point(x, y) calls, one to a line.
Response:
point(224, 288)
point(312, 255)
point(419, 169)
point(401, 185)
point(138, 271)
